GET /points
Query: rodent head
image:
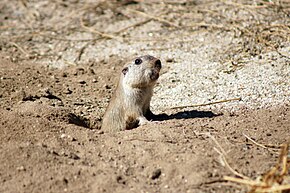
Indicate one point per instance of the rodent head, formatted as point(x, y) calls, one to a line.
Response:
point(141, 72)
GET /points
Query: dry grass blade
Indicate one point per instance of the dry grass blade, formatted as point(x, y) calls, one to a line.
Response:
point(134, 25)
point(281, 188)
point(266, 146)
point(154, 17)
point(20, 49)
point(242, 181)
point(203, 24)
point(276, 180)
point(244, 6)
point(105, 35)
point(222, 153)
point(260, 145)
point(137, 24)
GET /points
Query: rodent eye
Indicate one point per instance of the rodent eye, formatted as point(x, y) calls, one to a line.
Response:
point(138, 61)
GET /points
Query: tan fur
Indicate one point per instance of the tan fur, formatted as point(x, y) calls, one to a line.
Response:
point(130, 103)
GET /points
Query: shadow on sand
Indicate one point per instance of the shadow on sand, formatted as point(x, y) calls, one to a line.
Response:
point(185, 115)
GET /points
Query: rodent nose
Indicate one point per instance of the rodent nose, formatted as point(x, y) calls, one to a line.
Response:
point(158, 64)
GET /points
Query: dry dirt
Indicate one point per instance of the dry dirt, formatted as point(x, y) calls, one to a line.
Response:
point(54, 91)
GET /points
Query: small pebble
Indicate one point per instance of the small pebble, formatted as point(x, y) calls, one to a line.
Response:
point(169, 60)
point(67, 91)
point(74, 156)
point(107, 86)
point(20, 168)
point(82, 82)
point(64, 74)
point(63, 135)
point(156, 174)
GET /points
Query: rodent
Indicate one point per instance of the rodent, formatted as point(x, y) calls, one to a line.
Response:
point(130, 103)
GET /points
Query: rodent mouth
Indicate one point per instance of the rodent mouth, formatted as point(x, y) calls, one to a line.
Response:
point(154, 75)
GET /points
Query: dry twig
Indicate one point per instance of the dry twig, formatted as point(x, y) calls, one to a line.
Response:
point(205, 104)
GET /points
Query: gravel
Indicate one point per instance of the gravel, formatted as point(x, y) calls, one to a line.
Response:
point(260, 83)
point(195, 74)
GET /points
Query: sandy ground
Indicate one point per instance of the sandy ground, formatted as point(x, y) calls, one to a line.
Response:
point(59, 64)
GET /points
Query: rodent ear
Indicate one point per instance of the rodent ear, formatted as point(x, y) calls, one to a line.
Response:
point(125, 70)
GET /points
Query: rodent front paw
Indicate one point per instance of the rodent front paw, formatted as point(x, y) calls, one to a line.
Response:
point(143, 121)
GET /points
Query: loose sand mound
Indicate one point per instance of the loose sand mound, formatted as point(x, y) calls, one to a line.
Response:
point(59, 64)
